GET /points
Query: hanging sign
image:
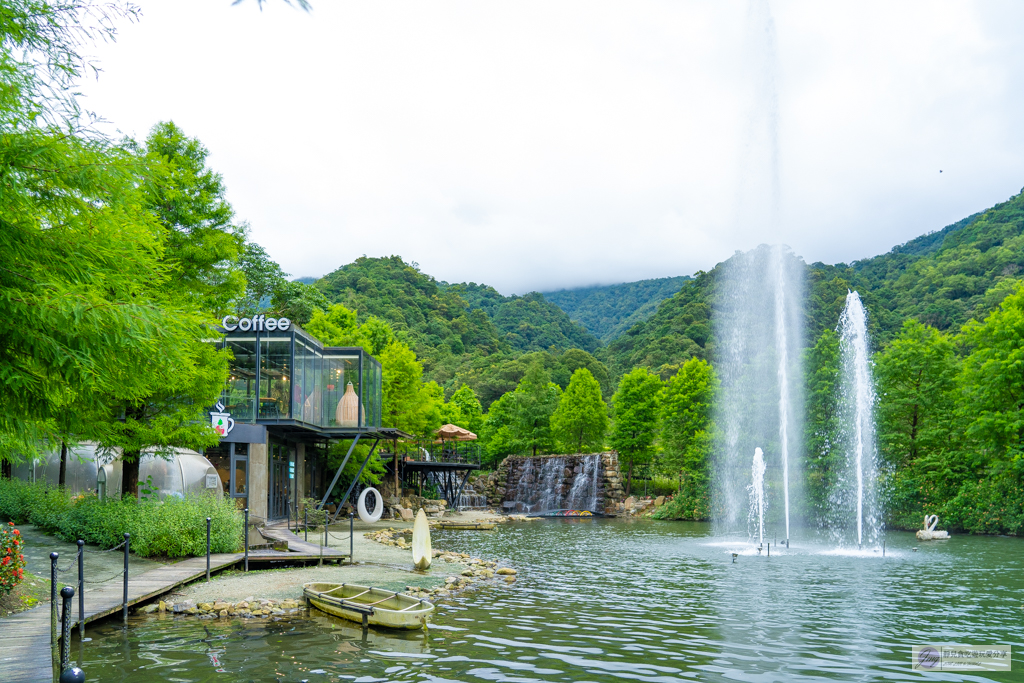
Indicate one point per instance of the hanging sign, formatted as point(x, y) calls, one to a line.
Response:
point(221, 421)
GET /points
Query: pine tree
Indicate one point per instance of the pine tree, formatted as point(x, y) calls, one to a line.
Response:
point(635, 412)
point(581, 419)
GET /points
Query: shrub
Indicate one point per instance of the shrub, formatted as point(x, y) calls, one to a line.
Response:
point(692, 503)
point(994, 505)
point(12, 562)
point(175, 527)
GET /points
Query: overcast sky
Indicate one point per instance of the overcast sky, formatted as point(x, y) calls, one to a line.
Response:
point(540, 145)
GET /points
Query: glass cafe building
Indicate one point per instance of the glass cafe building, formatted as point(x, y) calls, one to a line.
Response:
point(286, 399)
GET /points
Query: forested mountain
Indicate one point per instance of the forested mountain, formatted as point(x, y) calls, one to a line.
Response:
point(465, 333)
point(529, 322)
point(608, 311)
point(943, 279)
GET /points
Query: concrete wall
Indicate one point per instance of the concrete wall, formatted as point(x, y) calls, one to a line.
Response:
point(259, 480)
point(300, 471)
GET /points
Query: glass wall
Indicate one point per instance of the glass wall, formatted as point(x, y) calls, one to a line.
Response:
point(290, 376)
point(275, 378)
point(239, 397)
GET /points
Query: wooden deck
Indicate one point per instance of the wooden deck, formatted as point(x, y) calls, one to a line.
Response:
point(25, 652)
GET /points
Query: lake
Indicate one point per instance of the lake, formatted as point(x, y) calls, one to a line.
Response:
point(621, 600)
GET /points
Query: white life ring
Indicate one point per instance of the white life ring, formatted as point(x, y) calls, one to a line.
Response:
point(378, 509)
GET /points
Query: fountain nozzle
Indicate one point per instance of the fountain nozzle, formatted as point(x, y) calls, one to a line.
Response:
point(735, 555)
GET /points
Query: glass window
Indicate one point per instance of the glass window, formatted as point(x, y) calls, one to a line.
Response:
point(240, 394)
point(275, 379)
point(220, 457)
point(341, 400)
point(239, 469)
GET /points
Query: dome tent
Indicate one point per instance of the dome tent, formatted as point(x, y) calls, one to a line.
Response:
point(90, 470)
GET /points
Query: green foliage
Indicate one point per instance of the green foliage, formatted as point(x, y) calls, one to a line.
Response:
point(520, 421)
point(692, 502)
point(580, 422)
point(635, 408)
point(530, 322)
point(175, 527)
point(823, 459)
point(608, 311)
point(464, 409)
point(916, 378)
point(679, 330)
point(432, 319)
point(12, 561)
point(407, 403)
point(994, 505)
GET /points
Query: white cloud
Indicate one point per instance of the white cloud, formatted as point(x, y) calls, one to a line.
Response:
point(535, 145)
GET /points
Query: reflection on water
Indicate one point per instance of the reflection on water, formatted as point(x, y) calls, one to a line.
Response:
point(608, 600)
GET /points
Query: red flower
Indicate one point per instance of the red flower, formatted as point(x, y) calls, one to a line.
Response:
point(6, 561)
point(17, 533)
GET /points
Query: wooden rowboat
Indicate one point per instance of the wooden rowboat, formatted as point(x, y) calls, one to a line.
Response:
point(369, 606)
point(471, 526)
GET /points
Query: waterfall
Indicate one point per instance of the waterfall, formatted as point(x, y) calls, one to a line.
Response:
point(553, 483)
point(583, 495)
point(855, 494)
point(756, 489)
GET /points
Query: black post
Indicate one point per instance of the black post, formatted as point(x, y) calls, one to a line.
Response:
point(305, 524)
point(245, 537)
point(207, 550)
point(81, 588)
point(68, 594)
point(351, 534)
point(54, 611)
point(127, 545)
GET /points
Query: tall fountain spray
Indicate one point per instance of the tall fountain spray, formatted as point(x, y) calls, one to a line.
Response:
point(854, 503)
point(759, 329)
point(782, 352)
point(756, 489)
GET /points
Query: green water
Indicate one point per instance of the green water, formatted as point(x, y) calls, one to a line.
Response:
point(606, 600)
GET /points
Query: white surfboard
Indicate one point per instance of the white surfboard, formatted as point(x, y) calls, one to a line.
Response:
point(421, 553)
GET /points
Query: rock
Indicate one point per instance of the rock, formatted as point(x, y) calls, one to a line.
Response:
point(182, 606)
point(257, 613)
point(289, 604)
point(223, 613)
point(205, 606)
point(149, 609)
point(220, 606)
point(407, 515)
point(487, 574)
point(630, 502)
point(659, 501)
point(467, 572)
point(242, 605)
point(510, 579)
point(207, 616)
point(506, 571)
point(435, 552)
point(162, 606)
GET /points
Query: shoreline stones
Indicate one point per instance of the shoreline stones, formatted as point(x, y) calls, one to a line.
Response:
point(221, 609)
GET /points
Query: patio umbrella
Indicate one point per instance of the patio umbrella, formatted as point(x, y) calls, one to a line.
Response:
point(452, 432)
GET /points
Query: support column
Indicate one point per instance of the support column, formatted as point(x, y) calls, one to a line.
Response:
point(300, 473)
point(259, 479)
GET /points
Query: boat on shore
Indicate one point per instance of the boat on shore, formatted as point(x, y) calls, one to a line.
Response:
point(369, 606)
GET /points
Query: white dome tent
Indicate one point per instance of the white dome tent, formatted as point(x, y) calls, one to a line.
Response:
point(89, 471)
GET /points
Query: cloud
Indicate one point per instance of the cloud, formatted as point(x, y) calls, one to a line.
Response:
point(537, 145)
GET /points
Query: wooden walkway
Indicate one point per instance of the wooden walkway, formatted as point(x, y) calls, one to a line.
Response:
point(279, 532)
point(25, 652)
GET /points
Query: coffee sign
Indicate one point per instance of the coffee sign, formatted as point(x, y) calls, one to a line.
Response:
point(257, 323)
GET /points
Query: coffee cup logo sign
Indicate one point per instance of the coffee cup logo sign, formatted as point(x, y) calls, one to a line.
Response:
point(220, 420)
point(257, 323)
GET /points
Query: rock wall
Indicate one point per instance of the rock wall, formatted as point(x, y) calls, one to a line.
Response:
point(547, 482)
